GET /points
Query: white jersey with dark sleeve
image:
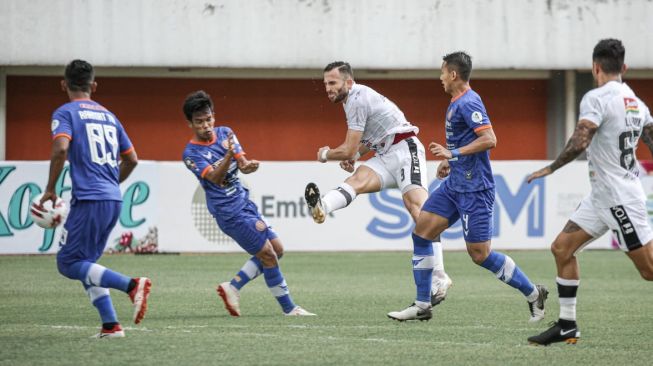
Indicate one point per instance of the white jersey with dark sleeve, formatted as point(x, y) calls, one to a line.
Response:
point(620, 116)
point(376, 116)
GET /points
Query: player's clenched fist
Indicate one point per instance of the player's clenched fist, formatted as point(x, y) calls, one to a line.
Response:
point(348, 165)
point(439, 151)
point(322, 154)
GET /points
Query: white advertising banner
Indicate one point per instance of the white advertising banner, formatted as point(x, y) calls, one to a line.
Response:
point(166, 196)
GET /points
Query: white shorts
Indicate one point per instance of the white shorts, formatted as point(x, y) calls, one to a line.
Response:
point(403, 166)
point(628, 223)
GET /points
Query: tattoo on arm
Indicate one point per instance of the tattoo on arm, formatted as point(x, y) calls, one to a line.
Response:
point(647, 136)
point(571, 227)
point(578, 142)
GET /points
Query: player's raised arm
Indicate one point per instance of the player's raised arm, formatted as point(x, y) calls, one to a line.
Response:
point(578, 142)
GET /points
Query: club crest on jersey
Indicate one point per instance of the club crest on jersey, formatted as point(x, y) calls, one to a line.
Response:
point(631, 105)
point(190, 164)
point(54, 124)
point(477, 117)
point(260, 225)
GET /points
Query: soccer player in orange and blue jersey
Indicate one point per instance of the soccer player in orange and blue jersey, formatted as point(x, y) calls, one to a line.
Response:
point(101, 156)
point(215, 157)
point(467, 194)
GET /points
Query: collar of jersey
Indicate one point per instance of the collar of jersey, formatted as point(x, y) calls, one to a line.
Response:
point(458, 97)
point(215, 137)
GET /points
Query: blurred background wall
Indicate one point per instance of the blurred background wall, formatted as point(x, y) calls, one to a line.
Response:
point(262, 61)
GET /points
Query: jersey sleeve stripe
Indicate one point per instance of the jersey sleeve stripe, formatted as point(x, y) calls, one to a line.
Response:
point(206, 170)
point(127, 151)
point(62, 135)
point(481, 128)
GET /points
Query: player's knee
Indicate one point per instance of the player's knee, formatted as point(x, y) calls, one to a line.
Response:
point(560, 251)
point(477, 256)
point(268, 256)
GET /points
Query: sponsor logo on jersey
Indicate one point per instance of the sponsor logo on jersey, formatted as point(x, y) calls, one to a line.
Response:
point(225, 143)
point(631, 105)
point(477, 117)
point(55, 124)
point(190, 164)
point(207, 155)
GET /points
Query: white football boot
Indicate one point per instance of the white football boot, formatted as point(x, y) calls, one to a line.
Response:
point(439, 289)
point(413, 312)
point(299, 311)
point(537, 307)
point(231, 298)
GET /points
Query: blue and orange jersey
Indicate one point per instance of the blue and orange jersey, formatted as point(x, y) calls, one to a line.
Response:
point(465, 117)
point(229, 198)
point(97, 139)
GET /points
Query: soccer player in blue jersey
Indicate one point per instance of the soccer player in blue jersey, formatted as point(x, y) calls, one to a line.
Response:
point(467, 194)
point(101, 156)
point(215, 157)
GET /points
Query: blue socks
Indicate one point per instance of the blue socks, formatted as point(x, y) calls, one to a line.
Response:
point(277, 285)
point(102, 301)
point(93, 274)
point(251, 269)
point(423, 263)
point(507, 271)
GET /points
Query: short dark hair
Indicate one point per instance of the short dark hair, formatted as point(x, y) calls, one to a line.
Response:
point(609, 54)
point(460, 62)
point(342, 66)
point(196, 102)
point(79, 76)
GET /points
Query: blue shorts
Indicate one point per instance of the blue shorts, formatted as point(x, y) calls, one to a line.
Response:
point(475, 209)
point(248, 228)
point(86, 230)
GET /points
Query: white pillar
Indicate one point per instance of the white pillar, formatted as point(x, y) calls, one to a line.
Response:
point(3, 113)
point(570, 103)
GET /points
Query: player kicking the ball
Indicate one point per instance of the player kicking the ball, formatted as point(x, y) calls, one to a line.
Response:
point(214, 156)
point(375, 124)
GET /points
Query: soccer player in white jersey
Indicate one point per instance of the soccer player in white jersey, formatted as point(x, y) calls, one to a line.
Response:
point(375, 124)
point(611, 121)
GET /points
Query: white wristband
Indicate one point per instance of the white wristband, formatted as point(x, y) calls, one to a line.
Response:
point(357, 156)
point(323, 155)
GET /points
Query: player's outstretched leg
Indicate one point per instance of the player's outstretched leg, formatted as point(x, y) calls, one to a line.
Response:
point(422, 273)
point(279, 289)
point(441, 282)
point(314, 202)
point(507, 271)
point(333, 200)
point(565, 329)
point(93, 274)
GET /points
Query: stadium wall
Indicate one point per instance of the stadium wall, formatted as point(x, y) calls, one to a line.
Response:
point(374, 34)
point(165, 195)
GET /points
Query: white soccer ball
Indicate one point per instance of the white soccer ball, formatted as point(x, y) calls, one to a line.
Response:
point(47, 216)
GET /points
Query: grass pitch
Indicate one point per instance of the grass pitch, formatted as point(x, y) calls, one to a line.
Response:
point(47, 319)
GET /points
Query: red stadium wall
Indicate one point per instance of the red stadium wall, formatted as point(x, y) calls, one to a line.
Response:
point(274, 119)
